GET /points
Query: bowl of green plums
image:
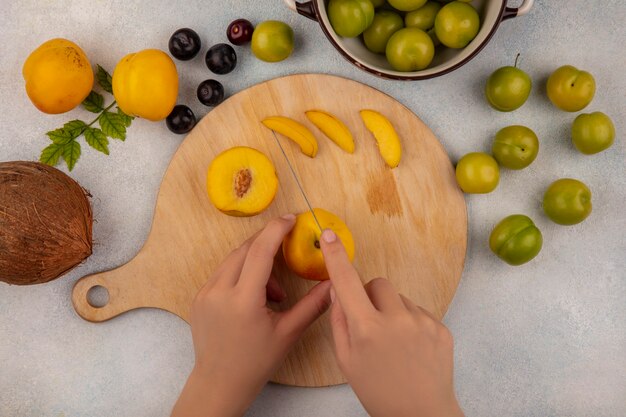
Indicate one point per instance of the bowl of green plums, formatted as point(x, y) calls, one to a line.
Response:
point(409, 39)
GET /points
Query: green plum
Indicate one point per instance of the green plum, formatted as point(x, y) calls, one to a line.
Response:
point(410, 49)
point(456, 24)
point(567, 201)
point(406, 5)
point(424, 17)
point(592, 132)
point(349, 18)
point(477, 173)
point(272, 41)
point(384, 25)
point(377, 3)
point(508, 88)
point(515, 147)
point(570, 89)
point(515, 239)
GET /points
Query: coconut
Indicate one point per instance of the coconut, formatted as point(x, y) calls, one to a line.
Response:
point(45, 223)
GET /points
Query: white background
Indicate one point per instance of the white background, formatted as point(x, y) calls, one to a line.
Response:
point(544, 339)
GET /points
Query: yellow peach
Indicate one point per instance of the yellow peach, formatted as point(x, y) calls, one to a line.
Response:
point(58, 76)
point(301, 247)
point(145, 84)
point(241, 181)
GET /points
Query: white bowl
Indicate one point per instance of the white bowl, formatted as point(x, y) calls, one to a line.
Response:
point(491, 13)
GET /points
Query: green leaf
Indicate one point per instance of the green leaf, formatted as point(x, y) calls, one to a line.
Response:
point(51, 153)
point(71, 153)
point(74, 128)
point(112, 125)
point(70, 131)
point(60, 136)
point(97, 140)
point(104, 79)
point(94, 102)
point(125, 118)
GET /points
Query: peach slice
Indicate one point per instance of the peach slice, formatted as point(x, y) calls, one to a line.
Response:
point(388, 140)
point(301, 247)
point(241, 181)
point(332, 127)
point(294, 131)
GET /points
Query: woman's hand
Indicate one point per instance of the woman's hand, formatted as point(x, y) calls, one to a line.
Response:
point(239, 342)
point(396, 356)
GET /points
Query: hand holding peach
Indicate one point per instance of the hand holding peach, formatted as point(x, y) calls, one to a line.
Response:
point(396, 356)
point(301, 247)
point(231, 326)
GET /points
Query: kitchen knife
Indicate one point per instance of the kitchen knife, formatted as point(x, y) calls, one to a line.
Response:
point(295, 176)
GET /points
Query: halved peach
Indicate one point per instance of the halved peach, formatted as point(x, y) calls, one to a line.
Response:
point(241, 181)
point(301, 247)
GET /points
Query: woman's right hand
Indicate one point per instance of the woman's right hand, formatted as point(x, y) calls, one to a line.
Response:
point(396, 356)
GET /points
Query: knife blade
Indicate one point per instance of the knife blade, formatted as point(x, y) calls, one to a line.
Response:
point(295, 176)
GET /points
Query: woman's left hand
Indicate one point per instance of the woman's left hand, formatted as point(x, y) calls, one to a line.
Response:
point(239, 342)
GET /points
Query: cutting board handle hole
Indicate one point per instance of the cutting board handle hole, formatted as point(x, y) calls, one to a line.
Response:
point(98, 296)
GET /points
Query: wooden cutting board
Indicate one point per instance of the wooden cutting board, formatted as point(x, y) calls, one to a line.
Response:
point(409, 223)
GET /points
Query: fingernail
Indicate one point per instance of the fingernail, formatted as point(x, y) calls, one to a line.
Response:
point(288, 216)
point(332, 295)
point(329, 236)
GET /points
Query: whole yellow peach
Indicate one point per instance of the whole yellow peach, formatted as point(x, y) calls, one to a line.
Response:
point(58, 76)
point(145, 84)
point(301, 247)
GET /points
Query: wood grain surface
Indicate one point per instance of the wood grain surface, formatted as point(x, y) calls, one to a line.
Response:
point(409, 223)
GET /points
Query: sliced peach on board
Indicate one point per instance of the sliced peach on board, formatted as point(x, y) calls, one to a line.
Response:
point(294, 131)
point(332, 127)
point(388, 140)
point(241, 181)
point(301, 247)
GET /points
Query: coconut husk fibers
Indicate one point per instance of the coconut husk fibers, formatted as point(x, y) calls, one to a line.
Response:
point(45, 223)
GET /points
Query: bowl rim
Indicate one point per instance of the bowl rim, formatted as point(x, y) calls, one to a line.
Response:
point(411, 76)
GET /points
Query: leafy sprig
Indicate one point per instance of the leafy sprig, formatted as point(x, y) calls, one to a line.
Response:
point(112, 124)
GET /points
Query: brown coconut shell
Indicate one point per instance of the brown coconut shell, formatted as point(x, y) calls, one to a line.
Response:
point(45, 223)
